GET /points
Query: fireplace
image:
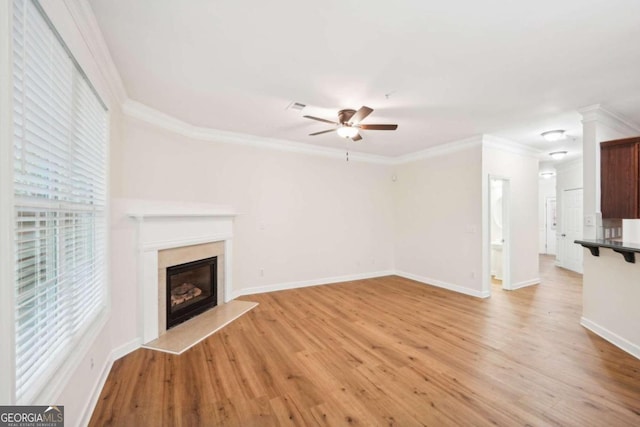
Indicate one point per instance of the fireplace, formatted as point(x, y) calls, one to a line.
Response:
point(191, 288)
point(171, 234)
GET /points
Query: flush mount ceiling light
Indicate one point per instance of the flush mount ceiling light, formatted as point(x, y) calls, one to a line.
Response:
point(558, 155)
point(553, 135)
point(547, 175)
point(347, 131)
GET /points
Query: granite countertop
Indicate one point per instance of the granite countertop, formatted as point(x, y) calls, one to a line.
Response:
point(610, 243)
point(626, 249)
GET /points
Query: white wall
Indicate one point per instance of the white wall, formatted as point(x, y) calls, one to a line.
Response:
point(302, 217)
point(546, 189)
point(438, 208)
point(522, 171)
point(610, 299)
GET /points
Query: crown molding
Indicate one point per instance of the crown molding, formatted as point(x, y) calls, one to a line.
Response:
point(144, 113)
point(504, 144)
point(439, 150)
point(85, 20)
point(597, 112)
point(164, 121)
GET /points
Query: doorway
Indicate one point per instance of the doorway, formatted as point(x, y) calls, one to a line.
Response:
point(569, 253)
point(499, 232)
point(550, 226)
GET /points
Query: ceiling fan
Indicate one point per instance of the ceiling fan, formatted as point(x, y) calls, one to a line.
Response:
point(348, 124)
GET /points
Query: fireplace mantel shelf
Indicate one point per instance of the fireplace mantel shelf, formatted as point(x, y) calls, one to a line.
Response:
point(209, 212)
point(143, 215)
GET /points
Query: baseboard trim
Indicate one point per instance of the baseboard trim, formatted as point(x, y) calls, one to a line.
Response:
point(613, 338)
point(314, 282)
point(444, 285)
point(115, 354)
point(525, 283)
point(126, 348)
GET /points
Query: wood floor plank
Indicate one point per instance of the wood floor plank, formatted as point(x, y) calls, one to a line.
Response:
point(387, 351)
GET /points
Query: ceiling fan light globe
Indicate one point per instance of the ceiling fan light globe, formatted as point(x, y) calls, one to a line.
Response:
point(347, 131)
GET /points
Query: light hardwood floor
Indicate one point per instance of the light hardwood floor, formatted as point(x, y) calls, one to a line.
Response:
point(387, 351)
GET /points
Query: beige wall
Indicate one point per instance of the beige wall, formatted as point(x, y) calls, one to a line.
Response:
point(438, 208)
point(522, 172)
point(301, 217)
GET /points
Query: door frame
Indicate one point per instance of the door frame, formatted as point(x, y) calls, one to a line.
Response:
point(548, 231)
point(506, 234)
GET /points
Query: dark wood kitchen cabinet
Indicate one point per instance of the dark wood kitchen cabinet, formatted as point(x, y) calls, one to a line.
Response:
point(620, 178)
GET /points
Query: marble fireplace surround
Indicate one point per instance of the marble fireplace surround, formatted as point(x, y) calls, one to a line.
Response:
point(168, 233)
point(181, 255)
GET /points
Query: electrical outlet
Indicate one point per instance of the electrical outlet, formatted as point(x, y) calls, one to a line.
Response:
point(589, 220)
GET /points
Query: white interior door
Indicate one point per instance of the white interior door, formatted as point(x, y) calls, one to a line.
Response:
point(571, 256)
point(550, 226)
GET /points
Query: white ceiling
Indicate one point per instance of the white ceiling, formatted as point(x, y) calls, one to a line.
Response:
point(441, 70)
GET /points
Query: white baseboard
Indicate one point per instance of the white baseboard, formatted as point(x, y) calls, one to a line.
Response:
point(313, 282)
point(615, 339)
point(126, 348)
point(115, 354)
point(525, 283)
point(445, 285)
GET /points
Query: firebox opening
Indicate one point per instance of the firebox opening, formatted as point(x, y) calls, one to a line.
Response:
point(191, 289)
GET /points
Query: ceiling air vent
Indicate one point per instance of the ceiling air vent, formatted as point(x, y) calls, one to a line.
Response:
point(296, 106)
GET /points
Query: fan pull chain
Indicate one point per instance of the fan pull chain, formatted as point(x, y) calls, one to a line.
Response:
point(347, 155)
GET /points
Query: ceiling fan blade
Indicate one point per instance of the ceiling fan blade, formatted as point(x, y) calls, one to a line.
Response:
point(360, 115)
point(321, 120)
point(378, 127)
point(321, 132)
point(356, 138)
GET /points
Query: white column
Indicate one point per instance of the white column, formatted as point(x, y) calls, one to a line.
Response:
point(598, 124)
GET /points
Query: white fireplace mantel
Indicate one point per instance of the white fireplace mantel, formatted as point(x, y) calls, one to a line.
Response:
point(162, 225)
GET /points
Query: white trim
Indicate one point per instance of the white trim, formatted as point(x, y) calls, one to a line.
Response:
point(307, 283)
point(164, 121)
point(126, 348)
point(598, 113)
point(86, 22)
point(444, 285)
point(615, 339)
point(525, 283)
point(159, 228)
point(115, 354)
point(510, 146)
point(7, 328)
point(440, 150)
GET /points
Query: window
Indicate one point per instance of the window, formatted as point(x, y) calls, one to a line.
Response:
point(60, 157)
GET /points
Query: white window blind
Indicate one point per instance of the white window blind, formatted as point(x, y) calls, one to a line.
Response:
point(60, 137)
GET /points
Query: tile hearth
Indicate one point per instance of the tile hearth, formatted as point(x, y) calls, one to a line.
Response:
point(179, 339)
